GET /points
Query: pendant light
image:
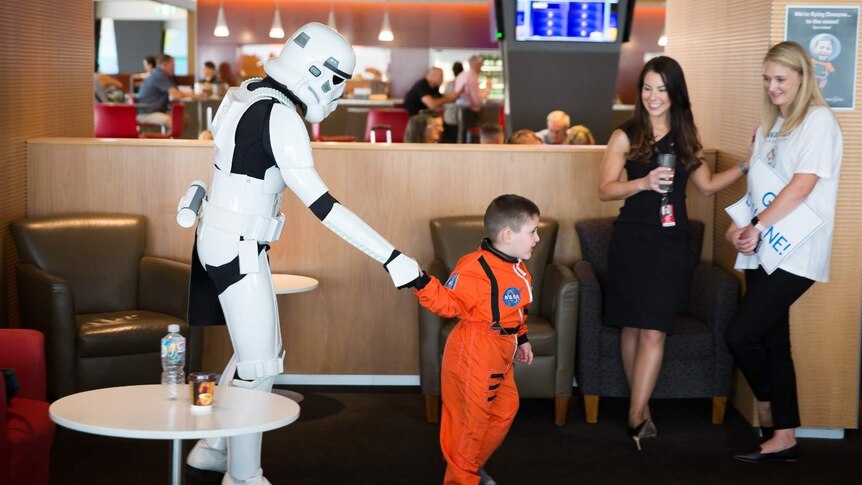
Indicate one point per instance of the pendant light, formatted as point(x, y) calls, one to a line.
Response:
point(385, 34)
point(662, 41)
point(221, 25)
point(331, 21)
point(276, 32)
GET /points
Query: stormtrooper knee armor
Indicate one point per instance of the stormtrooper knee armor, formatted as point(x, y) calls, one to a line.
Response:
point(261, 148)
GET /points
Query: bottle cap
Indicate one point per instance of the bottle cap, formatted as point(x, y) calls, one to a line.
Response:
point(174, 328)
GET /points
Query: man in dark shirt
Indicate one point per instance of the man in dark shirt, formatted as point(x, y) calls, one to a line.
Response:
point(157, 91)
point(425, 94)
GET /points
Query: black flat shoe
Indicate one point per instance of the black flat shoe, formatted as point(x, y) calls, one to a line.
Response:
point(788, 455)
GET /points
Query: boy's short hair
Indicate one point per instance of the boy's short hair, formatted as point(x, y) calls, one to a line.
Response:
point(510, 211)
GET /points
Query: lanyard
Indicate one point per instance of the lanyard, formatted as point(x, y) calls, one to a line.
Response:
point(767, 151)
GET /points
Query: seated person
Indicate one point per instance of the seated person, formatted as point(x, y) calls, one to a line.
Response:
point(425, 93)
point(210, 83)
point(210, 74)
point(157, 92)
point(107, 89)
point(424, 127)
point(581, 135)
point(149, 64)
point(559, 132)
point(491, 134)
point(524, 137)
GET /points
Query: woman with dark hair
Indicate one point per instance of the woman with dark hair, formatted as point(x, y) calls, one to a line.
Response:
point(425, 126)
point(648, 263)
point(801, 140)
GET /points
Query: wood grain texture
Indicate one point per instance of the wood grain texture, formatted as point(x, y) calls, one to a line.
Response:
point(355, 322)
point(47, 90)
point(720, 45)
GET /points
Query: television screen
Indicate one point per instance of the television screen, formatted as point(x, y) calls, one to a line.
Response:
point(567, 21)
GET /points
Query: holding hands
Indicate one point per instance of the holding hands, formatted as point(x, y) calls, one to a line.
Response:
point(403, 270)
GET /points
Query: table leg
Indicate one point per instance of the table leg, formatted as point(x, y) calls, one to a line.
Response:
point(176, 451)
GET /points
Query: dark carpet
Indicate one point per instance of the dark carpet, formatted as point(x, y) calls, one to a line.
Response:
point(380, 436)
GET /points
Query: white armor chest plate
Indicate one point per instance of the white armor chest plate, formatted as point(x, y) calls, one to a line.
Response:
point(238, 192)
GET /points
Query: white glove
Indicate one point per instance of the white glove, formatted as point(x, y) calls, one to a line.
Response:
point(403, 270)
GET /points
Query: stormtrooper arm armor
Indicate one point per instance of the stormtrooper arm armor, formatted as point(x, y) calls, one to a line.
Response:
point(292, 151)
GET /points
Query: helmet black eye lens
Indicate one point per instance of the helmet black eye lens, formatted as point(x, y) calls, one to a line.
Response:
point(314, 71)
point(336, 80)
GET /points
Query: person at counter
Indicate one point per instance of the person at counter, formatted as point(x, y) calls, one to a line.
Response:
point(450, 111)
point(425, 93)
point(424, 127)
point(157, 92)
point(472, 97)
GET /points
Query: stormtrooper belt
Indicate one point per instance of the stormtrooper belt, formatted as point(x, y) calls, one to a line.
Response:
point(249, 226)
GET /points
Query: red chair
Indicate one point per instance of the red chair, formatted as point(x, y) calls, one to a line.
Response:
point(26, 430)
point(393, 120)
point(115, 120)
point(315, 135)
point(178, 112)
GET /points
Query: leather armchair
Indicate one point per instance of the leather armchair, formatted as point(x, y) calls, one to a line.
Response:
point(102, 305)
point(551, 319)
point(697, 363)
point(26, 430)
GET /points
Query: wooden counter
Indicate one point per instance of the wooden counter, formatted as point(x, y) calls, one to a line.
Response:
point(355, 322)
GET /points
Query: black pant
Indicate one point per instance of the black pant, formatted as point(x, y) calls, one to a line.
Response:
point(759, 339)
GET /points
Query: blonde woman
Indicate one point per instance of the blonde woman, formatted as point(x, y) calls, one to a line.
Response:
point(800, 138)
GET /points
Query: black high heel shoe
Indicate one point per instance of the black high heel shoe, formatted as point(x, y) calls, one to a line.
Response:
point(642, 431)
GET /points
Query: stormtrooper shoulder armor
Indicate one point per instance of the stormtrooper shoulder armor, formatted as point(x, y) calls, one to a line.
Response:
point(289, 138)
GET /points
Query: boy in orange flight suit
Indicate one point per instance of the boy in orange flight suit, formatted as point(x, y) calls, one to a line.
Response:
point(489, 290)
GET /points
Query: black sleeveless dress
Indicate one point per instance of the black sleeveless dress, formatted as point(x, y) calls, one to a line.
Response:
point(648, 267)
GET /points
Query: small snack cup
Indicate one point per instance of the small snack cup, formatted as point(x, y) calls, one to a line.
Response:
point(202, 387)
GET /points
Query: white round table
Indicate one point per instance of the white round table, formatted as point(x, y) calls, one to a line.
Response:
point(142, 412)
point(286, 284)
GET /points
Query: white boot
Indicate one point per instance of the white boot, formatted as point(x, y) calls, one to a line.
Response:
point(205, 456)
point(256, 479)
point(485, 479)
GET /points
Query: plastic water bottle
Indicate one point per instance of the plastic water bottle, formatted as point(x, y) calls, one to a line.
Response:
point(173, 360)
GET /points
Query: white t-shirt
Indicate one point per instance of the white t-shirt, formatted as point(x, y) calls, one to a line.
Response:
point(815, 146)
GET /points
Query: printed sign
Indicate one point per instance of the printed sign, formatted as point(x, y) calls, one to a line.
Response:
point(831, 36)
point(782, 238)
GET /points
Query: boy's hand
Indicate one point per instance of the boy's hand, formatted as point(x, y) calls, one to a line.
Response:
point(524, 354)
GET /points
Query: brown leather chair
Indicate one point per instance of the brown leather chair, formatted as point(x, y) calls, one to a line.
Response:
point(551, 321)
point(102, 305)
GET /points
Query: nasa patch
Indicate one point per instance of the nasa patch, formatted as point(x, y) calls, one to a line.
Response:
point(452, 281)
point(512, 297)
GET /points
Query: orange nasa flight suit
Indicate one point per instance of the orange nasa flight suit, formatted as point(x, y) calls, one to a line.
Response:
point(490, 292)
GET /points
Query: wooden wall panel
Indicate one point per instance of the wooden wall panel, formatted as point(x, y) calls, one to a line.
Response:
point(47, 90)
point(355, 322)
point(721, 45)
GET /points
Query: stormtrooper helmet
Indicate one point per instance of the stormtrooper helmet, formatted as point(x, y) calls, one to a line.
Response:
point(314, 65)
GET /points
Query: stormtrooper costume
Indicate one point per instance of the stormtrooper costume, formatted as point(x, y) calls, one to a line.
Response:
point(261, 148)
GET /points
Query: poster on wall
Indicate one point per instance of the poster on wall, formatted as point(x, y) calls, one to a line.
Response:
point(831, 35)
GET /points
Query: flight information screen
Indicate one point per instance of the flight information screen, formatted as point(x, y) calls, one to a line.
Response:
point(567, 21)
